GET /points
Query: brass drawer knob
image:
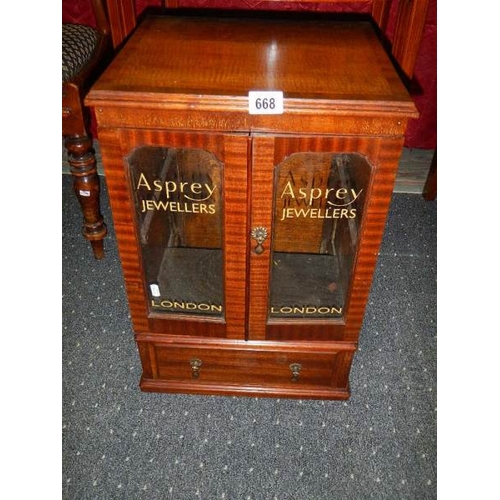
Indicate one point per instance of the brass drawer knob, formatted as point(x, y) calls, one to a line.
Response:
point(195, 367)
point(259, 234)
point(295, 368)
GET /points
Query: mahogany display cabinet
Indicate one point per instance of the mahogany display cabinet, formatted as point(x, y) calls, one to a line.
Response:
point(250, 165)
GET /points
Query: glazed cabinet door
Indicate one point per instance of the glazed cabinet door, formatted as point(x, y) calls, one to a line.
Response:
point(309, 197)
point(180, 214)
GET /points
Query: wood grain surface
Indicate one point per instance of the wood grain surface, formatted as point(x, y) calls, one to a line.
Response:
point(180, 87)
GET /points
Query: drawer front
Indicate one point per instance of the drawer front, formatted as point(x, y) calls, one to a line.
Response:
point(236, 370)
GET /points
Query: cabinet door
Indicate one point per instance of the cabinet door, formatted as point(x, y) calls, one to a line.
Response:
point(309, 198)
point(182, 230)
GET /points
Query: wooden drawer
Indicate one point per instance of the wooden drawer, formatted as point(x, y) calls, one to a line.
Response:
point(245, 369)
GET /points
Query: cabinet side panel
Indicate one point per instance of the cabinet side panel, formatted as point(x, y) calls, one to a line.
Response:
point(121, 206)
point(385, 160)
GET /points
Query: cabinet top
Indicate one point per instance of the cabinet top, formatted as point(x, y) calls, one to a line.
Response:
point(213, 63)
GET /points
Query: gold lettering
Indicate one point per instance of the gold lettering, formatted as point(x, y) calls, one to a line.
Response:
point(185, 306)
point(288, 191)
point(307, 310)
point(143, 182)
point(327, 192)
point(185, 188)
point(343, 195)
point(317, 213)
point(175, 206)
point(315, 193)
point(170, 187)
point(284, 214)
point(323, 310)
point(196, 188)
point(161, 204)
point(303, 194)
point(210, 191)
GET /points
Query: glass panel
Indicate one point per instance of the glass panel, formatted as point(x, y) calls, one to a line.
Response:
point(177, 194)
point(319, 199)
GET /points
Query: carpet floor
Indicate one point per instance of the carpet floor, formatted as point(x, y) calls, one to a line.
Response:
point(121, 443)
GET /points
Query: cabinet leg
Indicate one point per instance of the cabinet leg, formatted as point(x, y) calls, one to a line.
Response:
point(83, 168)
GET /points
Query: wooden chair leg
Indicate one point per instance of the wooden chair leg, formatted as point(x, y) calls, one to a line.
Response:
point(83, 168)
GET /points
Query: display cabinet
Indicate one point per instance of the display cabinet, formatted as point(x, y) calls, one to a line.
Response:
point(250, 166)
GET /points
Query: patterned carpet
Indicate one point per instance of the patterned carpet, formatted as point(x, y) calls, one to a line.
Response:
point(120, 443)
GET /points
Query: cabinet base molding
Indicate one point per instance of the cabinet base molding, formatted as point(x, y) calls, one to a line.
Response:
point(272, 369)
point(165, 386)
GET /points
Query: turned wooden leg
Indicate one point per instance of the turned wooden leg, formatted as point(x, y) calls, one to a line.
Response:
point(86, 185)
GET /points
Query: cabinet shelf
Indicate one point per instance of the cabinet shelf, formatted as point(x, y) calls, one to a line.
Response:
point(306, 286)
point(189, 281)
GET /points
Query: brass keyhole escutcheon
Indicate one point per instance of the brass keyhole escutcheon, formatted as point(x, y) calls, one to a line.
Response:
point(195, 367)
point(259, 234)
point(295, 368)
